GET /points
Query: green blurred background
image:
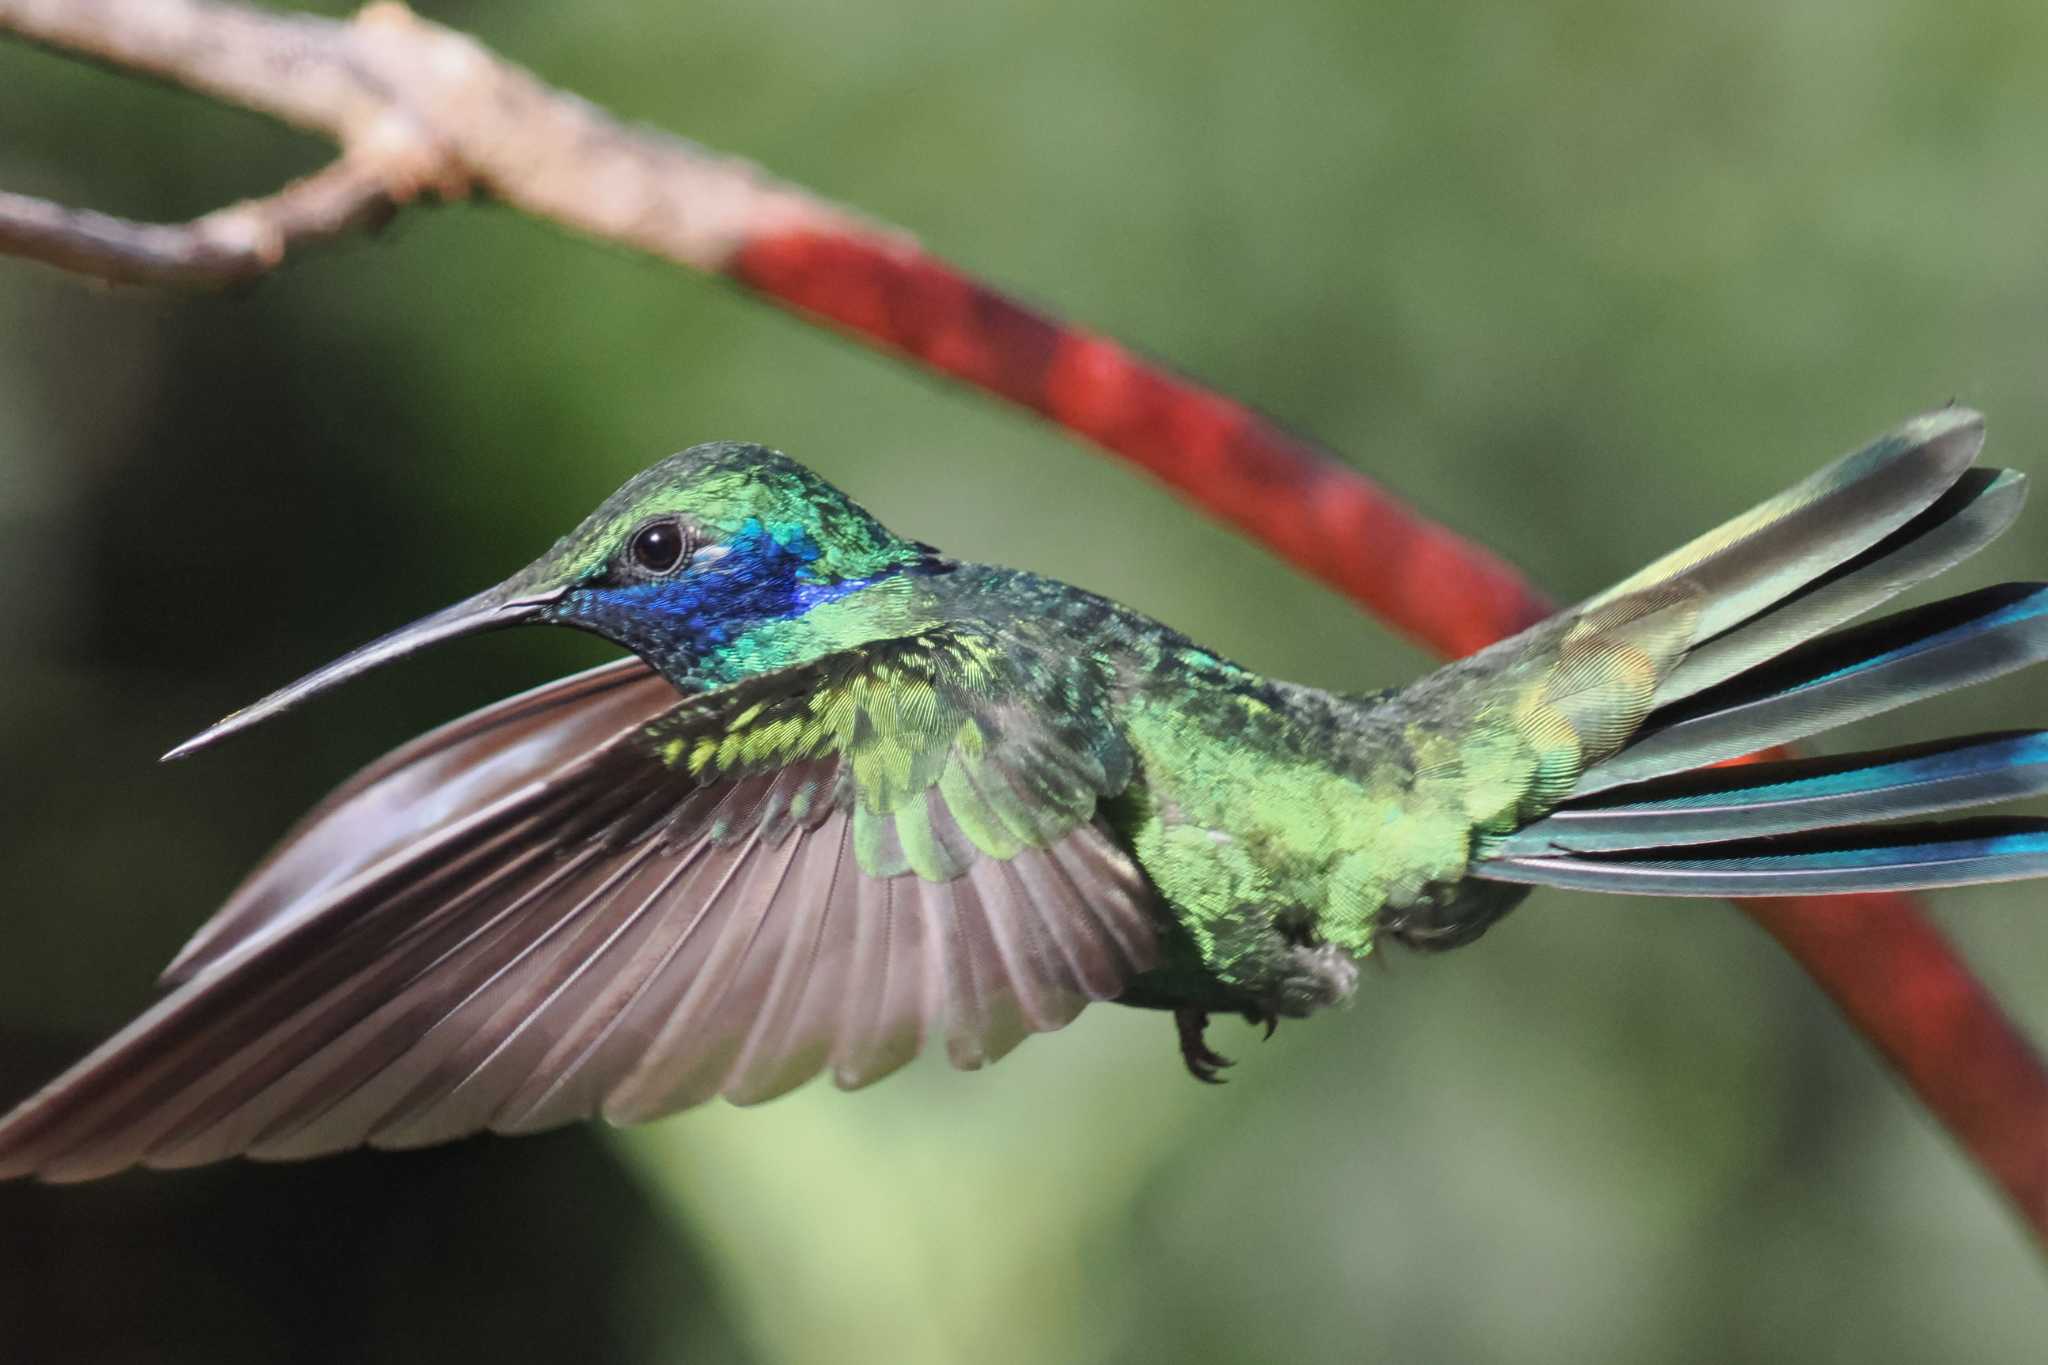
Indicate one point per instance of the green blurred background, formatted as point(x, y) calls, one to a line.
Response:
point(1579, 278)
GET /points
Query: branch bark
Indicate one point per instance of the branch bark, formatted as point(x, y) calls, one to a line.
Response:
point(416, 107)
point(224, 247)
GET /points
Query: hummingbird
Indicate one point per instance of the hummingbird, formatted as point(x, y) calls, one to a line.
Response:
point(849, 794)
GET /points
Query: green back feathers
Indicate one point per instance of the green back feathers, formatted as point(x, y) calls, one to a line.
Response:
point(1601, 687)
point(1508, 734)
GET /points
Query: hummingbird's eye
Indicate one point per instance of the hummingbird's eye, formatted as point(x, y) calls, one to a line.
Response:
point(658, 547)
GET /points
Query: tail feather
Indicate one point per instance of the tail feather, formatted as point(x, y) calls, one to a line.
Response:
point(1771, 659)
point(1715, 805)
point(1833, 515)
point(1974, 511)
point(1843, 540)
point(1831, 862)
point(1837, 679)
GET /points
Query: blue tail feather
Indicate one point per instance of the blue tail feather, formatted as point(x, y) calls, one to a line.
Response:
point(1719, 804)
point(1896, 858)
point(1773, 662)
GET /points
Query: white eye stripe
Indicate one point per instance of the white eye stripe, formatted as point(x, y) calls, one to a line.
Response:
point(708, 554)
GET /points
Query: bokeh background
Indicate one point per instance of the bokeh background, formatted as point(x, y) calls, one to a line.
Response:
point(1580, 278)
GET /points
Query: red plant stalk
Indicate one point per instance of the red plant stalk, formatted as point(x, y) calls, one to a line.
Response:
point(1887, 967)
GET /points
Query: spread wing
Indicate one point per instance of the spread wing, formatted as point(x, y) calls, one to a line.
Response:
point(602, 899)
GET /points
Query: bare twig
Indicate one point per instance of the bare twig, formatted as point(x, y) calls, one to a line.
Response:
point(222, 248)
point(402, 91)
point(416, 107)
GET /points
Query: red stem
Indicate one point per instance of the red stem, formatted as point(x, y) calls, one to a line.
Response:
point(1879, 958)
point(1284, 491)
point(1901, 983)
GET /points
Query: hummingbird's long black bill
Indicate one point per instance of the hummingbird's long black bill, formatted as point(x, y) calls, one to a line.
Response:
point(492, 609)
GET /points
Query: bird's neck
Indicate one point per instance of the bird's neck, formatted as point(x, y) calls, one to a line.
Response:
point(823, 622)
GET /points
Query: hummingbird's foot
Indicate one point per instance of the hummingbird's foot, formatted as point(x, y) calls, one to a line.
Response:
point(1266, 1017)
point(1202, 1062)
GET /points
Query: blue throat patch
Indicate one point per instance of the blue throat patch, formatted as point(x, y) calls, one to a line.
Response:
point(686, 626)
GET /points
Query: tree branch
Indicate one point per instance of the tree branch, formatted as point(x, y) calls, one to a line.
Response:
point(417, 107)
point(225, 247)
point(409, 93)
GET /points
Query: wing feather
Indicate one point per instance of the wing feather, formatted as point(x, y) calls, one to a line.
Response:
point(437, 779)
point(603, 898)
point(778, 1053)
point(567, 1082)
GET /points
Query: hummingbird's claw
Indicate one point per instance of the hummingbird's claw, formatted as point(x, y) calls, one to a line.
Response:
point(1202, 1062)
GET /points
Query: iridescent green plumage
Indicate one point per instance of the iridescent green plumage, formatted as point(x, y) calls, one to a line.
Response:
point(854, 793)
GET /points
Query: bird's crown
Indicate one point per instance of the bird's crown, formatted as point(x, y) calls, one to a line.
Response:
point(715, 494)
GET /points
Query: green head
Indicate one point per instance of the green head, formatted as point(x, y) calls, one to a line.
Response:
point(719, 562)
